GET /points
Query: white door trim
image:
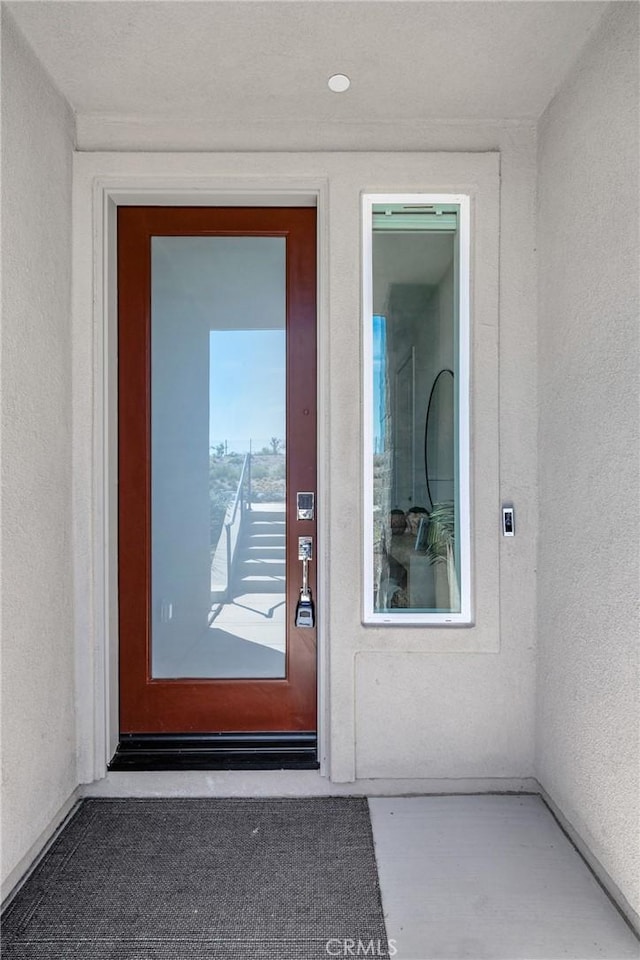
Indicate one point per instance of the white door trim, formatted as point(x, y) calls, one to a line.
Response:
point(95, 202)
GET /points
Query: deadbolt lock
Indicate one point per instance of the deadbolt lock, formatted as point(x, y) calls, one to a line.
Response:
point(305, 503)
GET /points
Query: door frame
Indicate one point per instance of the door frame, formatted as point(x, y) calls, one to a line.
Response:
point(98, 724)
point(154, 709)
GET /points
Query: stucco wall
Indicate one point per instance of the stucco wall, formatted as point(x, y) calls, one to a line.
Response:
point(464, 714)
point(405, 703)
point(588, 751)
point(38, 732)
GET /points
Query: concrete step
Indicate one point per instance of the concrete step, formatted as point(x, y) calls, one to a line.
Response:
point(260, 558)
point(259, 584)
point(260, 567)
point(261, 541)
point(264, 516)
point(271, 527)
point(262, 551)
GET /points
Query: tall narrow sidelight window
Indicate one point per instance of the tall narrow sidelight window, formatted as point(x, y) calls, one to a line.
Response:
point(416, 403)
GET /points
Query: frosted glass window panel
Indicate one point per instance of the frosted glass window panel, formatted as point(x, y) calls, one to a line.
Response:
point(416, 461)
point(218, 415)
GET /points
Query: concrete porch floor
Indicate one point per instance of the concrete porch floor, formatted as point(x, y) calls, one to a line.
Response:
point(489, 878)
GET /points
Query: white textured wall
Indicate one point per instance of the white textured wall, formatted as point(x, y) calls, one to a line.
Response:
point(588, 755)
point(416, 703)
point(463, 713)
point(38, 732)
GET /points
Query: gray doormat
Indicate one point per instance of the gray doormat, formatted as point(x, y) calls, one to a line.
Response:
point(290, 879)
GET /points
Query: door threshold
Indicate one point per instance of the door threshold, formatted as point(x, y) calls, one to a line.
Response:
point(216, 751)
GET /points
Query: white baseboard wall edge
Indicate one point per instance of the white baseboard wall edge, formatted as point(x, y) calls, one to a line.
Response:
point(27, 864)
point(604, 879)
point(288, 783)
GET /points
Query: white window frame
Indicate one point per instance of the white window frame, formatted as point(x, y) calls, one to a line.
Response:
point(400, 618)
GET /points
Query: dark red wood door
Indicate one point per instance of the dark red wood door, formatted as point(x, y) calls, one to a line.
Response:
point(216, 437)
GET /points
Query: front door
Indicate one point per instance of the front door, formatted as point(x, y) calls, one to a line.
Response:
point(217, 441)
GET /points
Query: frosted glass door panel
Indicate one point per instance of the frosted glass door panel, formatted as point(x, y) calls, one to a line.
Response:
point(218, 458)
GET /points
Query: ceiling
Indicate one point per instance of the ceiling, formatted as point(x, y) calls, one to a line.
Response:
point(257, 61)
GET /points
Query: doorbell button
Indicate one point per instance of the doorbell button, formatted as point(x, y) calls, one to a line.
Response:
point(508, 521)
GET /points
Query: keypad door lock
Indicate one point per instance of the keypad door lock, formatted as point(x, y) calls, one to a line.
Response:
point(305, 506)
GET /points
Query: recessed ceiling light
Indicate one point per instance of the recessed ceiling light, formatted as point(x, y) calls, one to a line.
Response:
point(338, 83)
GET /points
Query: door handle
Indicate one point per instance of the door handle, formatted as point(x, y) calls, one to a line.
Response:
point(305, 614)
